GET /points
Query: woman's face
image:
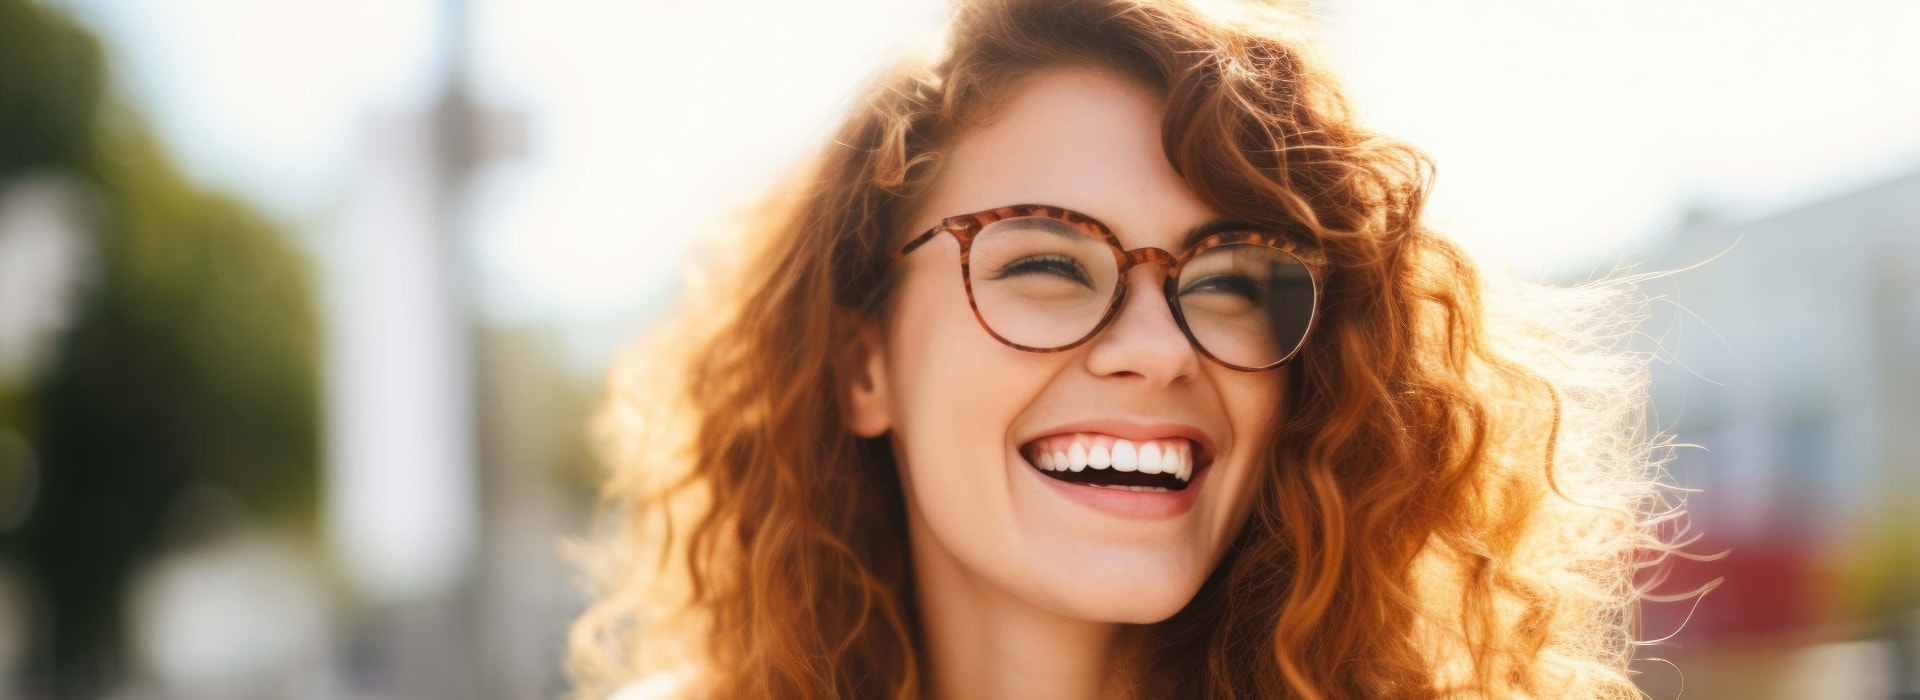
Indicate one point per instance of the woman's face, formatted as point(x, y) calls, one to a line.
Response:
point(971, 417)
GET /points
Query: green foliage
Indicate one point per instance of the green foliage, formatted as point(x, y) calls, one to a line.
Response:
point(1882, 567)
point(212, 287)
point(50, 82)
point(192, 362)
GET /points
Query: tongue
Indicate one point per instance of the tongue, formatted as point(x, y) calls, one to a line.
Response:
point(1114, 477)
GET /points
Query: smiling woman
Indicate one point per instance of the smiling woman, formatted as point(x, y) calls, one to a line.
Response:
point(1103, 355)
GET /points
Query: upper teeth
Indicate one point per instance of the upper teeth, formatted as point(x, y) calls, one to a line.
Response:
point(1082, 451)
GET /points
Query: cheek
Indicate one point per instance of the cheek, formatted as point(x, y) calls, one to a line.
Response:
point(1255, 403)
point(956, 393)
point(955, 389)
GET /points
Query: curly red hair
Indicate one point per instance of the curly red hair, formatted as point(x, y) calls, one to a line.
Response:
point(1455, 504)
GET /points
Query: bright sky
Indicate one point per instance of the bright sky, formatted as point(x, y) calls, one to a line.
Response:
point(1566, 134)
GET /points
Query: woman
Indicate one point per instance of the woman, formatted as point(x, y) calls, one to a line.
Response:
point(1103, 355)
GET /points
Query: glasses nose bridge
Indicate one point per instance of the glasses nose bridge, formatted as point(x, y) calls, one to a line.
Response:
point(1137, 257)
point(1145, 256)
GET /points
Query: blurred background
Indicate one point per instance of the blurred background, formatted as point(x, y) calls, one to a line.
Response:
point(304, 306)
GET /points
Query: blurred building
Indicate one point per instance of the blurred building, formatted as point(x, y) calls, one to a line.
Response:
point(1793, 362)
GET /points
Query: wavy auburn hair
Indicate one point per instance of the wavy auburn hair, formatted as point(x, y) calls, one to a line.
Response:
point(1455, 504)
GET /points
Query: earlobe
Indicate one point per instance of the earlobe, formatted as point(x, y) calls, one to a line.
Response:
point(863, 371)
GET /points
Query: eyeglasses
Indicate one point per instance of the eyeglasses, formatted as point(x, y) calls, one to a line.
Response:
point(1044, 279)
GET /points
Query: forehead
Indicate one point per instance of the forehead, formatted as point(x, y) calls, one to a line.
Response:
point(1081, 138)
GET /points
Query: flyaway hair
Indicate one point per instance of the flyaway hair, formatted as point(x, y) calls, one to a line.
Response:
point(1456, 503)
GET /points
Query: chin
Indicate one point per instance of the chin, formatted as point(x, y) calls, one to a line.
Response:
point(1129, 593)
point(1131, 611)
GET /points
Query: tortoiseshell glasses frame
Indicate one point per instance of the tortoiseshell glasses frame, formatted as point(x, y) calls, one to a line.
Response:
point(966, 227)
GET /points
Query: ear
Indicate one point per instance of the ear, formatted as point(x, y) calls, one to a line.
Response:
point(863, 376)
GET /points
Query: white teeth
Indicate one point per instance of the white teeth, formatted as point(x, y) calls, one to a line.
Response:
point(1150, 458)
point(1125, 458)
point(1078, 453)
point(1132, 461)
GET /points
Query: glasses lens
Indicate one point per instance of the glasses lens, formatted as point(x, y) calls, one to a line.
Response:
point(1041, 282)
point(1248, 304)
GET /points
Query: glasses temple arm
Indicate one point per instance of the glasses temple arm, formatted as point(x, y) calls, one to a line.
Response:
point(915, 243)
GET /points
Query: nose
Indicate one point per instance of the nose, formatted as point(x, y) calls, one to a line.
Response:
point(1144, 340)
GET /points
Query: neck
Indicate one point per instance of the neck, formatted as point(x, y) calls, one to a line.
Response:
point(983, 642)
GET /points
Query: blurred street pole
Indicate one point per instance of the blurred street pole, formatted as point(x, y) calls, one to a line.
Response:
point(404, 482)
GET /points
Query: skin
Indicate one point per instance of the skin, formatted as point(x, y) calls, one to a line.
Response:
point(1025, 592)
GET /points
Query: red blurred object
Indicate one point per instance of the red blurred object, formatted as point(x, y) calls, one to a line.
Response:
point(1768, 589)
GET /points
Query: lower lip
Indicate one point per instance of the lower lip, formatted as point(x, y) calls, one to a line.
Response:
point(1145, 505)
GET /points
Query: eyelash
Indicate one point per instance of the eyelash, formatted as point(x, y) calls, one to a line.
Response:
point(1065, 266)
point(1243, 286)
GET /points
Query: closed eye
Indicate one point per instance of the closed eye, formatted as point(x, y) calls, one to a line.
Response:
point(1239, 285)
point(1055, 265)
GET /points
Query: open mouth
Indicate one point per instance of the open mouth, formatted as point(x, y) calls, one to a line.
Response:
point(1093, 459)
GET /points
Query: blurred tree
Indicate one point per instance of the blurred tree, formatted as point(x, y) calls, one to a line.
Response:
point(191, 362)
point(49, 89)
